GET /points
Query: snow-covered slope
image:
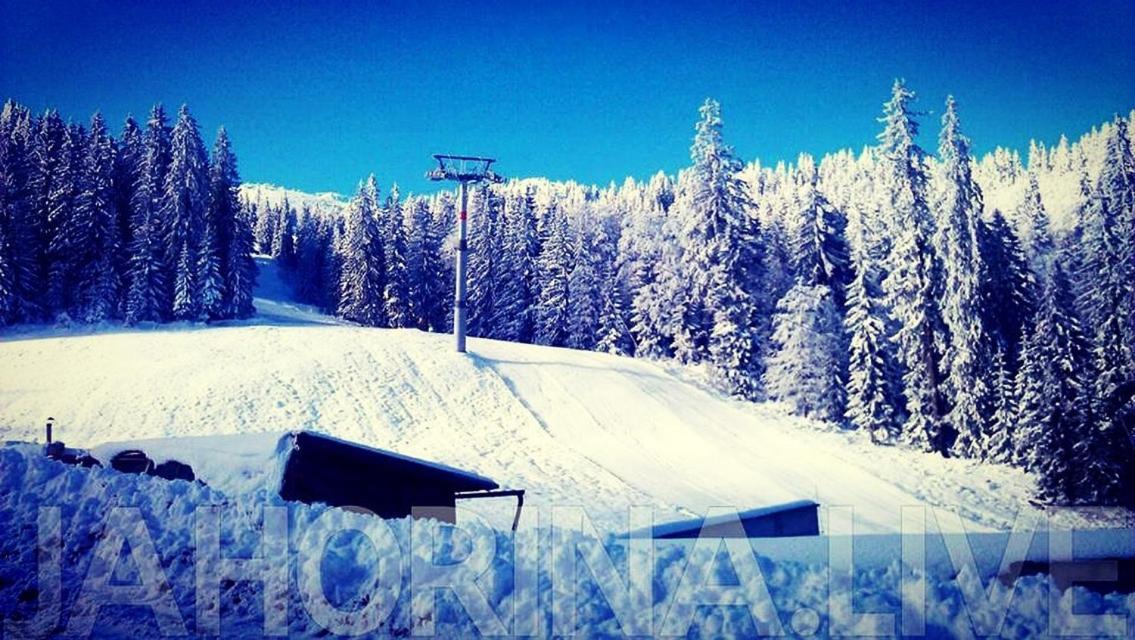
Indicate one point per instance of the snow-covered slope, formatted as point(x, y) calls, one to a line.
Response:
point(571, 427)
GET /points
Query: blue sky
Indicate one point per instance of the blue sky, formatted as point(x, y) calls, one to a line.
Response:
point(316, 97)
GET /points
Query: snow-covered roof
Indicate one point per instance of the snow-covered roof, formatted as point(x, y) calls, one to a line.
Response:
point(244, 463)
point(696, 524)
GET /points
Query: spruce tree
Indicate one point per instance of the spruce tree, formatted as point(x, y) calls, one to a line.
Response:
point(554, 267)
point(1008, 289)
point(362, 279)
point(870, 401)
point(721, 317)
point(519, 249)
point(20, 249)
point(967, 356)
point(583, 294)
point(96, 228)
point(1055, 397)
point(428, 286)
point(184, 200)
point(397, 292)
point(149, 292)
point(804, 370)
point(911, 284)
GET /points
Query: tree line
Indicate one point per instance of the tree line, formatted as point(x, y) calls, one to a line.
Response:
point(143, 227)
point(877, 291)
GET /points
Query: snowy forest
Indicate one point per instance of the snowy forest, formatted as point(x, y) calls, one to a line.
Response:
point(926, 300)
point(142, 228)
point(974, 307)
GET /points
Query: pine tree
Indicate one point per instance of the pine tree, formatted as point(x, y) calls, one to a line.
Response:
point(1055, 398)
point(485, 255)
point(149, 293)
point(1034, 217)
point(967, 357)
point(818, 244)
point(519, 249)
point(184, 201)
point(65, 228)
point(425, 269)
point(1109, 263)
point(583, 294)
point(96, 228)
point(910, 286)
point(1009, 288)
point(649, 304)
point(804, 370)
point(1003, 423)
point(241, 268)
point(362, 281)
point(127, 164)
point(554, 266)
point(210, 284)
point(265, 229)
point(233, 234)
point(397, 292)
point(870, 401)
point(48, 167)
point(20, 246)
point(284, 240)
point(721, 312)
point(614, 328)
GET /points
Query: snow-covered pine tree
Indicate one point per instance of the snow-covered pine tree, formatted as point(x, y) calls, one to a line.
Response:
point(804, 370)
point(65, 228)
point(1054, 394)
point(817, 242)
point(149, 284)
point(264, 230)
point(722, 318)
point(614, 327)
point(363, 279)
point(910, 285)
point(1109, 263)
point(307, 278)
point(870, 398)
point(210, 278)
point(1033, 216)
point(397, 291)
point(21, 244)
point(96, 228)
point(485, 255)
point(966, 361)
point(127, 163)
point(234, 250)
point(583, 290)
point(1008, 289)
point(183, 201)
point(48, 166)
point(999, 440)
point(284, 240)
point(553, 268)
point(242, 268)
point(426, 272)
point(649, 305)
point(515, 299)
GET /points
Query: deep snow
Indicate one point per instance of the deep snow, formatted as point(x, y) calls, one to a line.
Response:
point(573, 428)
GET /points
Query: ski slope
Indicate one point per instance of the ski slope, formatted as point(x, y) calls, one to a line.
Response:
point(572, 428)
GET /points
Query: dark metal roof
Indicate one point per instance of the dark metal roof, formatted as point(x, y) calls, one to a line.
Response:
point(426, 470)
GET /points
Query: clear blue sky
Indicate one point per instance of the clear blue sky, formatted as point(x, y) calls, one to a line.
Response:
point(316, 97)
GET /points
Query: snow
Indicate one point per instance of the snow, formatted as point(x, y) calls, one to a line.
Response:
point(571, 427)
point(362, 560)
point(263, 194)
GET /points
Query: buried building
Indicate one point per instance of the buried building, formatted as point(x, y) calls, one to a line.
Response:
point(308, 467)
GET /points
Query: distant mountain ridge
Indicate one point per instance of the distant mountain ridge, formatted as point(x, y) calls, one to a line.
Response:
point(264, 194)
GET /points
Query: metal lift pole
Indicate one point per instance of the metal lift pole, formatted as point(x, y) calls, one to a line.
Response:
point(459, 310)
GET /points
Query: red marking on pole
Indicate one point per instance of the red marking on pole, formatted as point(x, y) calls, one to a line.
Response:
point(464, 215)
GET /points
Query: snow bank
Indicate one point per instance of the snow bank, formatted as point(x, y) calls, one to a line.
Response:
point(346, 572)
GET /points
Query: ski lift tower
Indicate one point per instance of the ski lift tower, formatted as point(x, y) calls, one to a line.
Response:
point(464, 170)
